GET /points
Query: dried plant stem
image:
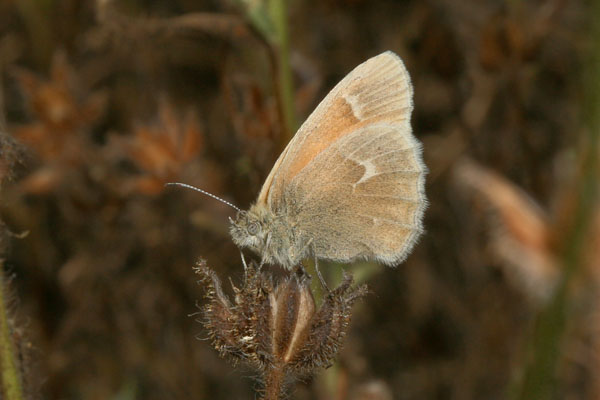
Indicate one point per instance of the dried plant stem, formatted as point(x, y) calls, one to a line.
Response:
point(539, 381)
point(2, 114)
point(10, 379)
point(274, 383)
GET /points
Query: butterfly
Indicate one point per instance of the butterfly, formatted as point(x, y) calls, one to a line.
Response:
point(351, 183)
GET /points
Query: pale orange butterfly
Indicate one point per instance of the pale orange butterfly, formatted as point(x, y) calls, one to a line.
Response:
point(350, 184)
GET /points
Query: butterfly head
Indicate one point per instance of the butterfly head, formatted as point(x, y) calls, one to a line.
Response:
point(249, 229)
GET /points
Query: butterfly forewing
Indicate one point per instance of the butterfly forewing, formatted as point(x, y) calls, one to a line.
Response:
point(377, 90)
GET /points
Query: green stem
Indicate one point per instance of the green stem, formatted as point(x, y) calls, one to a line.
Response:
point(539, 381)
point(10, 382)
point(278, 12)
point(269, 18)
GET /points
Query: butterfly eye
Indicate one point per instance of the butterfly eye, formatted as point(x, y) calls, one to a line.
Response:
point(253, 228)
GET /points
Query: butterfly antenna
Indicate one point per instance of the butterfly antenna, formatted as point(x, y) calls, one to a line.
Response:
point(203, 192)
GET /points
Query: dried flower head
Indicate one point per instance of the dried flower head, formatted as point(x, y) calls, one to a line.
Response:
point(163, 150)
point(63, 114)
point(276, 327)
point(527, 238)
point(522, 236)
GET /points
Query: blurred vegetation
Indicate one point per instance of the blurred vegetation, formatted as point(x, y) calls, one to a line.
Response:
point(102, 102)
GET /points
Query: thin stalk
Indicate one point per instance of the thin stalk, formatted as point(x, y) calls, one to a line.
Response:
point(269, 19)
point(540, 377)
point(274, 383)
point(278, 12)
point(10, 377)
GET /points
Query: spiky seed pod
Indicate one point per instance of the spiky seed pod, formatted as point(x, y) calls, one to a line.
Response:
point(277, 328)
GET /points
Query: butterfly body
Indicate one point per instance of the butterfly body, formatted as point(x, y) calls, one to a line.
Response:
point(350, 184)
point(274, 236)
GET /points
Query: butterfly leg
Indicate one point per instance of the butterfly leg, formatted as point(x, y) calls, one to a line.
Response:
point(323, 283)
point(300, 272)
point(244, 263)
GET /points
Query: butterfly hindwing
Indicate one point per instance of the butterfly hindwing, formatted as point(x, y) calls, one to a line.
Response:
point(370, 198)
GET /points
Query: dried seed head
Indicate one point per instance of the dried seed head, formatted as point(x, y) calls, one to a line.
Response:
point(523, 235)
point(277, 328)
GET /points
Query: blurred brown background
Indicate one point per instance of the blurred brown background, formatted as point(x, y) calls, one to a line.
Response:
point(103, 102)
